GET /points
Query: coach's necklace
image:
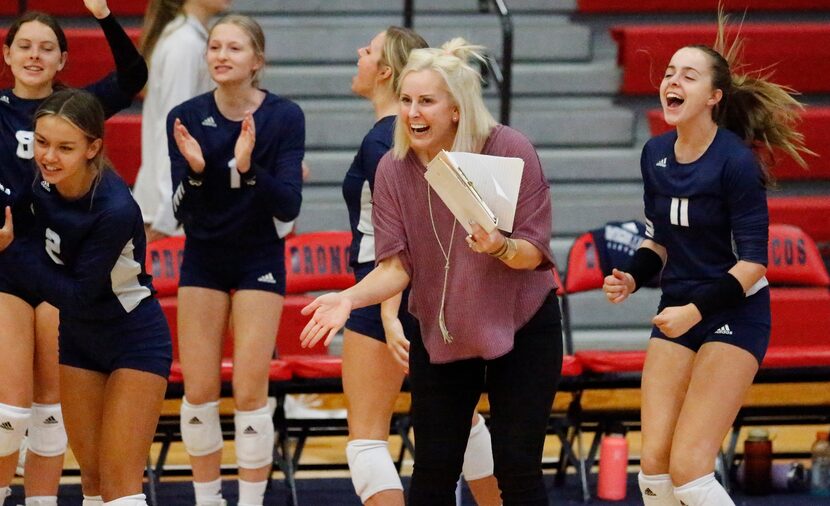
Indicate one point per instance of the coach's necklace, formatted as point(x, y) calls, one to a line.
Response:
point(441, 321)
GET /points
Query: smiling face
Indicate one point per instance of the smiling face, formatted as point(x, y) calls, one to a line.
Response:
point(686, 91)
point(428, 112)
point(370, 70)
point(231, 57)
point(63, 153)
point(34, 57)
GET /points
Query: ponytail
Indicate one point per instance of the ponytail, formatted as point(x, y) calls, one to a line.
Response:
point(762, 113)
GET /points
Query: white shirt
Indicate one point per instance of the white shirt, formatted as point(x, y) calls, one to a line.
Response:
point(178, 72)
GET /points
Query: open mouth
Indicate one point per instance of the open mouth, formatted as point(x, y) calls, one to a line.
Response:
point(418, 128)
point(673, 101)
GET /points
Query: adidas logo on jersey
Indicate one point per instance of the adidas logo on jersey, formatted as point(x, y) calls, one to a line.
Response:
point(51, 421)
point(6, 426)
point(209, 122)
point(46, 186)
point(725, 330)
point(194, 421)
point(662, 163)
point(250, 431)
point(5, 99)
point(267, 278)
point(649, 493)
point(5, 190)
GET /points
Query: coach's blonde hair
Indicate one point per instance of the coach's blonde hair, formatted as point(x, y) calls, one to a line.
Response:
point(452, 62)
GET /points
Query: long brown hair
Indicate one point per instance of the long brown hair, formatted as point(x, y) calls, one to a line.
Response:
point(158, 15)
point(764, 114)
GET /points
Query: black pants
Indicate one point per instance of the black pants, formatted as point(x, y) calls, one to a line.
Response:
point(521, 387)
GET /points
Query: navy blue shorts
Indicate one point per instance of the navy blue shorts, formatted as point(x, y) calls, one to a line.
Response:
point(367, 320)
point(746, 326)
point(226, 268)
point(12, 286)
point(139, 340)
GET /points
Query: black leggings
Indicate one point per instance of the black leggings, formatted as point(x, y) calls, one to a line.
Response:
point(521, 387)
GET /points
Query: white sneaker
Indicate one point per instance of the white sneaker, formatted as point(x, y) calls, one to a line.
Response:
point(306, 406)
point(21, 456)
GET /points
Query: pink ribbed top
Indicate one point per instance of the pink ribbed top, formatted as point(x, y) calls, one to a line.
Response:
point(486, 301)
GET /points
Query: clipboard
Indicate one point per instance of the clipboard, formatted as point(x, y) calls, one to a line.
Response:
point(485, 190)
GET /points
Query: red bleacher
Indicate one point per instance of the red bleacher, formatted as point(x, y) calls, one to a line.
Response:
point(76, 7)
point(815, 125)
point(122, 140)
point(8, 8)
point(797, 53)
point(89, 57)
point(810, 213)
point(660, 6)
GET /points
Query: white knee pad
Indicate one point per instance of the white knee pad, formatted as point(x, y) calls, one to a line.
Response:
point(201, 430)
point(254, 438)
point(130, 500)
point(47, 435)
point(657, 490)
point(704, 491)
point(13, 424)
point(42, 501)
point(478, 458)
point(93, 500)
point(371, 467)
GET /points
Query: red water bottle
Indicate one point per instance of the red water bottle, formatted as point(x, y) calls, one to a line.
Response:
point(613, 465)
point(758, 462)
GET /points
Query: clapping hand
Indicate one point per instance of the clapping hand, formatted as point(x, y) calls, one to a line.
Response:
point(7, 232)
point(245, 144)
point(189, 147)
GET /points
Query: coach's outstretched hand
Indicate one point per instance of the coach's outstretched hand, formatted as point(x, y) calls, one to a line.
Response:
point(331, 311)
point(7, 232)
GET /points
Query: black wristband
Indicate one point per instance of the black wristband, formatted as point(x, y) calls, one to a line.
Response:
point(645, 264)
point(725, 293)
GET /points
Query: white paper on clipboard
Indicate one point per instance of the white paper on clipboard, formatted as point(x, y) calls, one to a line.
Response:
point(480, 188)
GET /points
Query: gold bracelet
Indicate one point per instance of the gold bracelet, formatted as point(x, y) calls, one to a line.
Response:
point(502, 250)
point(512, 250)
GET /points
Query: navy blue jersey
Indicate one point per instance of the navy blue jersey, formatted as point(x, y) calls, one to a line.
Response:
point(222, 205)
point(17, 139)
point(358, 186)
point(708, 214)
point(85, 256)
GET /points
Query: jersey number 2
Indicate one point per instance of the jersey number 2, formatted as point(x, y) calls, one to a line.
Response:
point(679, 212)
point(53, 246)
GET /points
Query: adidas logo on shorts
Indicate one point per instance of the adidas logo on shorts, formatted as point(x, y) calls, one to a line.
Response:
point(250, 431)
point(51, 421)
point(725, 330)
point(6, 426)
point(267, 278)
point(649, 493)
point(209, 122)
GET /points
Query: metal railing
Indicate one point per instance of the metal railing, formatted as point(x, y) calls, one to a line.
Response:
point(502, 74)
